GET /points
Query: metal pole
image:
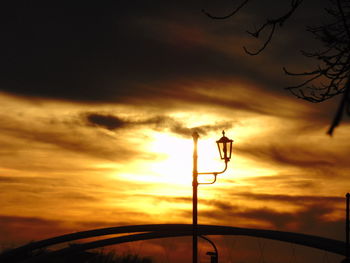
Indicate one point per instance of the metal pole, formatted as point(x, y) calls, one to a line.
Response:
point(195, 200)
point(347, 226)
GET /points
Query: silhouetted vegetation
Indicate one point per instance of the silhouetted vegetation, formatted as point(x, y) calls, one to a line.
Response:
point(82, 257)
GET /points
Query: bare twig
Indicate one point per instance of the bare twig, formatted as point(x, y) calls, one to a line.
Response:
point(268, 40)
point(230, 14)
point(272, 23)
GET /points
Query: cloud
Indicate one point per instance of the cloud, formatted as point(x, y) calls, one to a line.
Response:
point(93, 55)
point(56, 135)
point(294, 199)
point(17, 230)
point(309, 220)
point(288, 155)
point(167, 123)
point(278, 220)
point(285, 181)
point(320, 156)
point(312, 216)
point(170, 199)
point(106, 121)
point(31, 180)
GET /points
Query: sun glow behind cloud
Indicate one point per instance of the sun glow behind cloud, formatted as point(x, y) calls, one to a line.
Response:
point(166, 158)
point(98, 132)
point(174, 161)
point(176, 164)
point(138, 167)
point(105, 184)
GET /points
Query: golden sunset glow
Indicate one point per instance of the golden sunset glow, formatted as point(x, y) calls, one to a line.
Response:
point(97, 114)
point(144, 162)
point(143, 174)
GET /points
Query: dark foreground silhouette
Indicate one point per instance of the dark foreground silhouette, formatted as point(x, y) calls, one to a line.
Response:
point(83, 257)
point(156, 231)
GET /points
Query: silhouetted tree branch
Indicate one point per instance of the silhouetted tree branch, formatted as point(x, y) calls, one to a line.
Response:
point(331, 77)
point(269, 25)
point(230, 14)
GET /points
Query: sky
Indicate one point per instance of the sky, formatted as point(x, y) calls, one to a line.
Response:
point(99, 101)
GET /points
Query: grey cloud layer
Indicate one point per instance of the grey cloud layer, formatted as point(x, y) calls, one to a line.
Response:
point(117, 51)
point(112, 122)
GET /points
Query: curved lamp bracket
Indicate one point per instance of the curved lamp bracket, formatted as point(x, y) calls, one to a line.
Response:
point(214, 173)
point(211, 243)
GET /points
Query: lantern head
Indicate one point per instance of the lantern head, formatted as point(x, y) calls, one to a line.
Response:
point(225, 147)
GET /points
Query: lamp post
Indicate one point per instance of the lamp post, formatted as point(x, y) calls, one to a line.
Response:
point(225, 149)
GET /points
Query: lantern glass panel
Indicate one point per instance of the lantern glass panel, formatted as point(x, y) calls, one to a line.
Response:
point(229, 148)
point(221, 150)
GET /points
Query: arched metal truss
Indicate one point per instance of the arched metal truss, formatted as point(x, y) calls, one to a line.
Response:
point(146, 232)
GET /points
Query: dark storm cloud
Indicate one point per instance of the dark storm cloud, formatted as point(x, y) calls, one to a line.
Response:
point(114, 51)
point(84, 52)
point(112, 122)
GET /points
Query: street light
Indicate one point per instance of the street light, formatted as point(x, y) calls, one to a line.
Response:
point(225, 147)
point(225, 150)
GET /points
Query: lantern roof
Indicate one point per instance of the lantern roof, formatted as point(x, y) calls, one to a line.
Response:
point(224, 139)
